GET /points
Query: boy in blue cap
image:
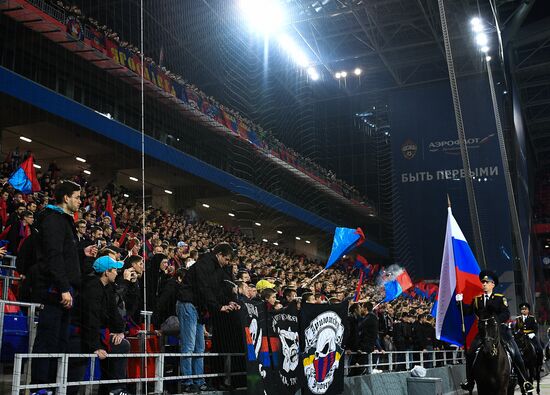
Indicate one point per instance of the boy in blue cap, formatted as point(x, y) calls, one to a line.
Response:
point(102, 327)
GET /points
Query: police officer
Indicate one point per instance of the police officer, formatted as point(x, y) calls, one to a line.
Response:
point(527, 324)
point(488, 304)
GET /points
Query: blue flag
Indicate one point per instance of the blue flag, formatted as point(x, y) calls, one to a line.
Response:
point(345, 239)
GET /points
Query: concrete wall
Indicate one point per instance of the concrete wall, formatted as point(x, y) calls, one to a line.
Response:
point(396, 383)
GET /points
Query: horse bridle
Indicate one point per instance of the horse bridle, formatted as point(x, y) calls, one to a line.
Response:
point(494, 340)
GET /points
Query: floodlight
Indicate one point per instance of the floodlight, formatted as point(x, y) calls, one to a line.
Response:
point(26, 139)
point(231, 214)
point(88, 172)
point(475, 21)
point(344, 74)
point(488, 58)
point(337, 75)
point(313, 74)
point(482, 39)
point(264, 16)
point(485, 49)
point(293, 51)
point(280, 232)
point(357, 71)
point(167, 191)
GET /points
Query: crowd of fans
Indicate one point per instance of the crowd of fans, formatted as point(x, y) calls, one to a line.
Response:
point(266, 136)
point(194, 269)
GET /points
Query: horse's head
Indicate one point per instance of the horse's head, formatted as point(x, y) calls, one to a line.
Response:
point(489, 335)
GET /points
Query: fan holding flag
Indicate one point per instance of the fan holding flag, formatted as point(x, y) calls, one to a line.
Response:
point(345, 240)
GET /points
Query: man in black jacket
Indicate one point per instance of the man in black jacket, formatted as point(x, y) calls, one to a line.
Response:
point(210, 281)
point(56, 278)
point(99, 313)
point(368, 329)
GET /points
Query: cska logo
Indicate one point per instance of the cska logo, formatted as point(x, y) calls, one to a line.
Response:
point(408, 149)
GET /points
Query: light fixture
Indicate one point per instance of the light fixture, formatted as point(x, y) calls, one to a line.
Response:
point(475, 21)
point(290, 47)
point(37, 166)
point(126, 195)
point(484, 49)
point(357, 71)
point(26, 139)
point(205, 205)
point(231, 214)
point(477, 25)
point(344, 74)
point(264, 16)
point(308, 242)
point(280, 232)
point(257, 224)
point(275, 244)
point(488, 58)
point(133, 179)
point(264, 240)
point(88, 172)
point(169, 192)
point(78, 158)
point(298, 238)
point(337, 75)
point(313, 74)
point(482, 39)
point(546, 246)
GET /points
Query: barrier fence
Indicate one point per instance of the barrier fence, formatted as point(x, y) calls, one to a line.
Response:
point(395, 360)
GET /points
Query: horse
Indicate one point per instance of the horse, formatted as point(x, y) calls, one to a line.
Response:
point(530, 358)
point(491, 367)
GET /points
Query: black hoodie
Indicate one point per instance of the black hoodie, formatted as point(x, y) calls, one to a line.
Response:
point(58, 268)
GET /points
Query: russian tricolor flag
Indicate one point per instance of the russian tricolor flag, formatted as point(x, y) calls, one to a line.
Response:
point(459, 275)
point(396, 284)
point(24, 178)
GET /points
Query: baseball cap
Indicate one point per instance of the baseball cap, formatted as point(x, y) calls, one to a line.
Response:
point(106, 263)
point(264, 284)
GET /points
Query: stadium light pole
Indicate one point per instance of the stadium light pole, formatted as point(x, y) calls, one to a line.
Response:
point(483, 44)
point(472, 203)
point(527, 295)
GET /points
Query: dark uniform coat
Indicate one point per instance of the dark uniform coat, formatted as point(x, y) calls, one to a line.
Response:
point(529, 326)
point(495, 305)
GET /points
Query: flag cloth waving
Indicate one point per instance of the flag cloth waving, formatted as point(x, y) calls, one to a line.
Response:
point(459, 275)
point(109, 211)
point(345, 240)
point(395, 284)
point(24, 178)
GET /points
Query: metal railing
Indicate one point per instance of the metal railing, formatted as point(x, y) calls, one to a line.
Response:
point(52, 10)
point(405, 360)
point(394, 361)
point(62, 383)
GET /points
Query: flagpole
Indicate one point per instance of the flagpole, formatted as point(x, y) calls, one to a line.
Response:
point(314, 277)
point(461, 302)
